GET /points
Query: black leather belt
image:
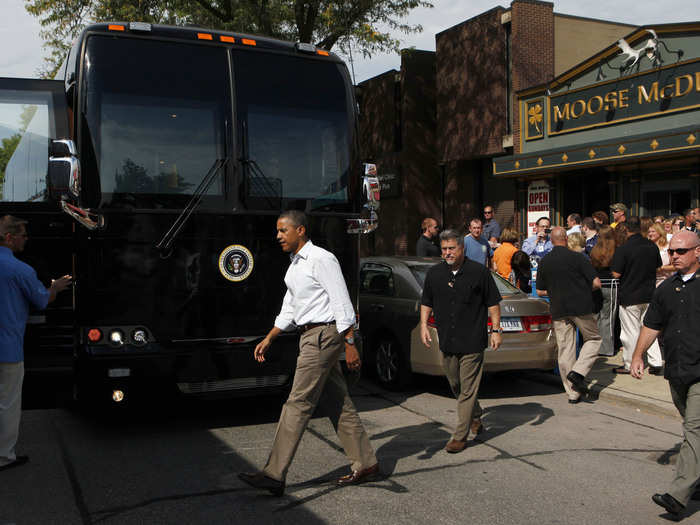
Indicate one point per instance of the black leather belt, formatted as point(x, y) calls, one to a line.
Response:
point(306, 327)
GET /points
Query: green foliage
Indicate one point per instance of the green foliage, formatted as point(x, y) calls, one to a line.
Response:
point(327, 24)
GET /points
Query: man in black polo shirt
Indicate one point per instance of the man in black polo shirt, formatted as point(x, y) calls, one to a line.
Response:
point(675, 310)
point(462, 295)
point(635, 264)
point(568, 279)
point(425, 247)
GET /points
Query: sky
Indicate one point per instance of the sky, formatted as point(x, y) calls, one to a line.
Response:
point(22, 53)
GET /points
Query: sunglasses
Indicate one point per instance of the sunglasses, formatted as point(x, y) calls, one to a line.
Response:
point(680, 251)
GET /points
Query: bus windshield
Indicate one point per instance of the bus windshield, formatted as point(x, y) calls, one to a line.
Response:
point(156, 117)
point(293, 118)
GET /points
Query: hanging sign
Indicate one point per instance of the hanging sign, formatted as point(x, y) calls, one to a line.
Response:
point(537, 204)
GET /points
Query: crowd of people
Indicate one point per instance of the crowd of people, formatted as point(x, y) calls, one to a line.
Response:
point(628, 286)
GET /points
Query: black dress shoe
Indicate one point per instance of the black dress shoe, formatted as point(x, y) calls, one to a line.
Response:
point(261, 481)
point(671, 504)
point(656, 370)
point(359, 476)
point(578, 382)
point(19, 460)
point(574, 401)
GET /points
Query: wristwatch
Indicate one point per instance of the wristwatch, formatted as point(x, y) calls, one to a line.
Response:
point(497, 330)
point(350, 340)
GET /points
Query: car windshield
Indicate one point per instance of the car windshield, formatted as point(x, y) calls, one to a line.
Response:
point(419, 271)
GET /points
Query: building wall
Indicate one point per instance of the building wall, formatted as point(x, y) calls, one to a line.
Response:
point(471, 88)
point(532, 36)
point(576, 39)
point(397, 123)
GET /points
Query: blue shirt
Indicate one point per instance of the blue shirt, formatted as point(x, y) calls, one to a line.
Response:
point(537, 249)
point(20, 289)
point(491, 229)
point(477, 250)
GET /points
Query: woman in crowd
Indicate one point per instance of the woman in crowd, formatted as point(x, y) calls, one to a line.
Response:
point(576, 242)
point(677, 224)
point(668, 228)
point(657, 235)
point(644, 224)
point(620, 234)
point(601, 258)
point(504, 253)
point(521, 276)
point(600, 217)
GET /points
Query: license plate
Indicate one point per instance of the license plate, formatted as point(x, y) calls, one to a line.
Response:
point(511, 324)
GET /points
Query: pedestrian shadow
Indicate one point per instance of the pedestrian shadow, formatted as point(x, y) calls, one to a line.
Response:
point(499, 419)
point(422, 441)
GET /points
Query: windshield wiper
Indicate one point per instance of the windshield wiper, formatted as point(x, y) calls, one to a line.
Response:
point(166, 242)
point(261, 184)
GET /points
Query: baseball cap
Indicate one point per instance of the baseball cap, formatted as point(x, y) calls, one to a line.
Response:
point(618, 206)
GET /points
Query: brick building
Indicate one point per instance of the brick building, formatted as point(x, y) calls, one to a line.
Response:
point(438, 124)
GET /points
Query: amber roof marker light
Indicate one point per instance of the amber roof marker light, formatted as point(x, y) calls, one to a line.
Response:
point(249, 42)
point(205, 36)
point(115, 27)
point(228, 39)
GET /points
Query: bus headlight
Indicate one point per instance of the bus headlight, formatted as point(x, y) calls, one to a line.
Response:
point(139, 337)
point(116, 337)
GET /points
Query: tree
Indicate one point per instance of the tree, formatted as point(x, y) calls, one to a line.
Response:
point(324, 23)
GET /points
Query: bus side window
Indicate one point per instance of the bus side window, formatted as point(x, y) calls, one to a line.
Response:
point(24, 146)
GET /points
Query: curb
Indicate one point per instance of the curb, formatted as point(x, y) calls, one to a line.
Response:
point(614, 395)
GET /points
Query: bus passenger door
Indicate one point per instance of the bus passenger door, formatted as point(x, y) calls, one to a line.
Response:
point(32, 113)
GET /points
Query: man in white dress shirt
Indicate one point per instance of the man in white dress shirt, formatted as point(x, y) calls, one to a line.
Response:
point(317, 303)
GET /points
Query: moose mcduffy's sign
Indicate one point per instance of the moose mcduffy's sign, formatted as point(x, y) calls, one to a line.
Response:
point(662, 91)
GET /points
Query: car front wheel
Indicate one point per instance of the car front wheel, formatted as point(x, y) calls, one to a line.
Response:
point(391, 365)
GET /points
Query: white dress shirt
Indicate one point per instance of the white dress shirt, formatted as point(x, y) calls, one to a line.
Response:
point(316, 291)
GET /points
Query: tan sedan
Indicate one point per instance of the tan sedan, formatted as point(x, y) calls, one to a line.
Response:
point(390, 291)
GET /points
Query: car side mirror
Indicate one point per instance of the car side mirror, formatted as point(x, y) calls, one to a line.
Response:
point(63, 178)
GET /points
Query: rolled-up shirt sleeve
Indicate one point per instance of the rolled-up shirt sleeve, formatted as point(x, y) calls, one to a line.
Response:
point(285, 320)
point(327, 272)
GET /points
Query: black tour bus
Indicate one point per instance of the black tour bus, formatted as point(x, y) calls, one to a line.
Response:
point(153, 172)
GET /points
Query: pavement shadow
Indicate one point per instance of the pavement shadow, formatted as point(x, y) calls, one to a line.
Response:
point(422, 441)
point(500, 419)
point(497, 385)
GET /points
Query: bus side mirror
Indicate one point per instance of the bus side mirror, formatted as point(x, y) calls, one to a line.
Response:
point(63, 178)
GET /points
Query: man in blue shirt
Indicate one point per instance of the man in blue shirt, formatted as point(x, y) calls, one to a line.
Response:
point(476, 248)
point(539, 245)
point(492, 230)
point(20, 289)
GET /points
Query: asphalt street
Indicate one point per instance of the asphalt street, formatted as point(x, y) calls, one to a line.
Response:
point(541, 461)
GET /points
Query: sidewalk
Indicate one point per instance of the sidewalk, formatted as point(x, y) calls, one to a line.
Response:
point(650, 394)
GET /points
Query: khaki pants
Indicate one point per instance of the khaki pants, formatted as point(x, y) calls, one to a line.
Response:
point(631, 318)
point(463, 372)
point(11, 378)
point(319, 380)
point(687, 401)
point(565, 332)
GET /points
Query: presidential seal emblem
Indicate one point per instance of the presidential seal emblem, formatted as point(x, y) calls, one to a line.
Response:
point(236, 263)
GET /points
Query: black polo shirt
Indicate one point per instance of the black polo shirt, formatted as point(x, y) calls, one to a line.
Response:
point(675, 309)
point(636, 261)
point(426, 248)
point(460, 305)
point(567, 276)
